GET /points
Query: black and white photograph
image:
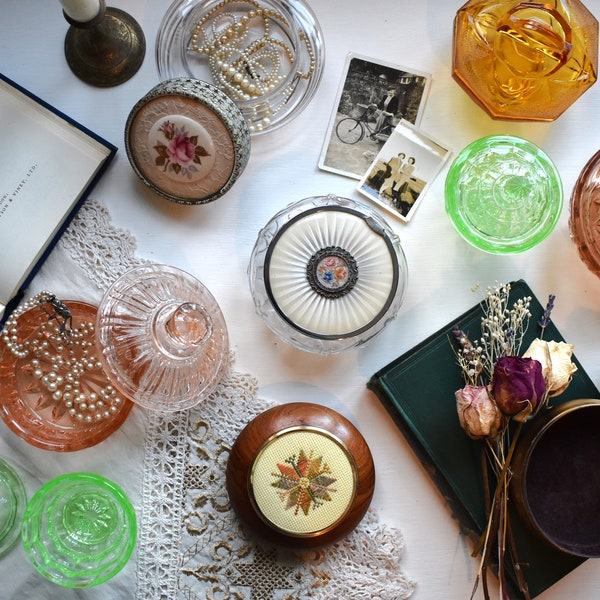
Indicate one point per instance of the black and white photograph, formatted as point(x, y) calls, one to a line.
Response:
point(403, 170)
point(373, 98)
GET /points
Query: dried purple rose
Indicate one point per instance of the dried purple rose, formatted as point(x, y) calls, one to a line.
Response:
point(478, 414)
point(518, 386)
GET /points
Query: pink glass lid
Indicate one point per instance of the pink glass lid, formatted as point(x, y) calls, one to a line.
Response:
point(56, 396)
point(162, 338)
point(585, 214)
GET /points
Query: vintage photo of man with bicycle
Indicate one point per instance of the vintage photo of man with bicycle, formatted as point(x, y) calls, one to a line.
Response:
point(373, 98)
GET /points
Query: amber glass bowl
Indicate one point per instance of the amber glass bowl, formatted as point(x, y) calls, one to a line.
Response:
point(525, 61)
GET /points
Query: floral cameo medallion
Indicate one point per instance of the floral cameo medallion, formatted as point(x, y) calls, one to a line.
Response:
point(332, 272)
point(181, 148)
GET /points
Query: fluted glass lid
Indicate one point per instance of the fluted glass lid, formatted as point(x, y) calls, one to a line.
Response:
point(162, 337)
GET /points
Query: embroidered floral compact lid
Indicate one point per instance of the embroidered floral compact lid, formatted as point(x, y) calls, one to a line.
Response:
point(187, 141)
point(300, 475)
point(327, 274)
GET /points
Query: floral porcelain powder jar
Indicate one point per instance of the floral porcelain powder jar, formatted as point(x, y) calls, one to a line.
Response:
point(187, 141)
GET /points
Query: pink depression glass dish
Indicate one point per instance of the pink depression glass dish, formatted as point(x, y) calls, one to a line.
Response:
point(584, 220)
point(47, 399)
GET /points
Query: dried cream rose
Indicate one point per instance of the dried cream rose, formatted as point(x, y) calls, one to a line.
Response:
point(556, 364)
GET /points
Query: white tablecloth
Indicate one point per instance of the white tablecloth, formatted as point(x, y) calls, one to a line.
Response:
point(214, 243)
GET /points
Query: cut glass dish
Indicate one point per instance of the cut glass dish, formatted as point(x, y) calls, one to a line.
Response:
point(58, 397)
point(584, 219)
point(267, 56)
point(503, 194)
point(162, 337)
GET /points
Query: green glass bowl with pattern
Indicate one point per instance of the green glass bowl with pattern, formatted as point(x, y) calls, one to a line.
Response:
point(79, 530)
point(503, 194)
point(12, 506)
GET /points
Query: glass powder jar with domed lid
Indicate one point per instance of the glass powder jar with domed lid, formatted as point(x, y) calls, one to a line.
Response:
point(327, 274)
point(162, 338)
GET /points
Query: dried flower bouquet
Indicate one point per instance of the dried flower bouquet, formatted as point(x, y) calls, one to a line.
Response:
point(503, 389)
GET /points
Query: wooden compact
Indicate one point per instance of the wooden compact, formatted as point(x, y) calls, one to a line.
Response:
point(301, 476)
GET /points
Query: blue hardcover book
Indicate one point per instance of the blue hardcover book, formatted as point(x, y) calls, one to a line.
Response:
point(49, 165)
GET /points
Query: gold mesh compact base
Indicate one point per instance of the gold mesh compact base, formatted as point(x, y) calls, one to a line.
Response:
point(300, 475)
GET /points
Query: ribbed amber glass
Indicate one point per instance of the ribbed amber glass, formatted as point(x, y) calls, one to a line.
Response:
point(525, 61)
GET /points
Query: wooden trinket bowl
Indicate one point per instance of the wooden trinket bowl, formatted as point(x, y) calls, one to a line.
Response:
point(301, 476)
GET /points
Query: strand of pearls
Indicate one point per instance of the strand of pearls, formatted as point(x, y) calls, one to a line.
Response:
point(245, 58)
point(64, 365)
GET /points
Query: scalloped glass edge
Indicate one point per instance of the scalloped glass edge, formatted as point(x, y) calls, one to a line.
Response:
point(169, 39)
point(270, 315)
point(14, 482)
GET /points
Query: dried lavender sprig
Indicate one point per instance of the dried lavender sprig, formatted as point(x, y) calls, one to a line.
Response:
point(545, 318)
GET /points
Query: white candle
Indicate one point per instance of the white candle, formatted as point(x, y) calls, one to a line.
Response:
point(81, 11)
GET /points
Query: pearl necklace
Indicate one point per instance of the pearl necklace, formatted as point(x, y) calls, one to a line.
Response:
point(60, 359)
point(245, 58)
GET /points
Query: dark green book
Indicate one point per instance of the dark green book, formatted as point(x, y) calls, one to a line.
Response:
point(417, 389)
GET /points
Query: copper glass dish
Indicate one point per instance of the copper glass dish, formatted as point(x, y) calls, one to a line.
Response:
point(556, 477)
point(59, 400)
point(584, 219)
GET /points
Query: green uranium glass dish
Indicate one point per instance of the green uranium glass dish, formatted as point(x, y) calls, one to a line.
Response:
point(12, 506)
point(79, 530)
point(503, 194)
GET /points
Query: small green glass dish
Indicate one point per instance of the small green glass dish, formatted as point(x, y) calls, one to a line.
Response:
point(12, 506)
point(79, 530)
point(504, 194)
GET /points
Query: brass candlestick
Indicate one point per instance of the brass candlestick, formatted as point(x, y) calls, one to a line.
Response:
point(106, 51)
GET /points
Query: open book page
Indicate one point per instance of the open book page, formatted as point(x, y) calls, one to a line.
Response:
point(47, 163)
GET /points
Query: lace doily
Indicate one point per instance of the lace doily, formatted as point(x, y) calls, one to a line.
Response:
point(191, 545)
point(103, 251)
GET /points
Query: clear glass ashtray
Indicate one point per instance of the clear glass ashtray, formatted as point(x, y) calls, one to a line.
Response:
point(327, 274)
point(266, 55)
point(503, 194)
